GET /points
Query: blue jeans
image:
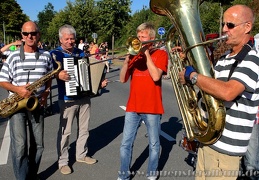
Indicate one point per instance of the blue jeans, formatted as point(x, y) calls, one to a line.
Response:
point(131, 125)
point(26, 165)
point(251, 158)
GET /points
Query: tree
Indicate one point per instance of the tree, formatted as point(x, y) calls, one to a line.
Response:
point(113, 15)
point(83, 16)
point(44, 19)
point(110, 18)
point(13, 18)
point(210, 17)
point(59, 20)
point(136, 19)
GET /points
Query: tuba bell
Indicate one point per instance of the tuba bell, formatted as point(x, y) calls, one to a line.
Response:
point(184, 15)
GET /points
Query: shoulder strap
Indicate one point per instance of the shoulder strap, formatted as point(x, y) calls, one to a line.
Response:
point(22, 55)
point(75, 54)
point(240, 56)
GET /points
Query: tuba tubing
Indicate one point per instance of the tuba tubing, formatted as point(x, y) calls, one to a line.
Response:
point(184, 15)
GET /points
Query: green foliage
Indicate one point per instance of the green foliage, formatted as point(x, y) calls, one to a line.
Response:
point(12, 17)
point(82, 15)
point(210, 14)
point(112, 18)
point(130, 28)
point(44, 19)
point(58, 20)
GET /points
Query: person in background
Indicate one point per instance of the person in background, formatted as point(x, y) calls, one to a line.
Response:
point(104, 56)
point(107, 53)
point(250, 162)
point(238, 89)
point(7, 49)
point(71, 107)
point(145, 101)
point(92, 49)
point(40, 45)
point(81, 44)
point(86, 49)
point(16, 76)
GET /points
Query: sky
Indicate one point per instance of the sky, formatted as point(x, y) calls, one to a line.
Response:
point(32, 7)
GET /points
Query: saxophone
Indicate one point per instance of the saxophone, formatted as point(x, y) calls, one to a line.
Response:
point(14, 102)
point(187, 25)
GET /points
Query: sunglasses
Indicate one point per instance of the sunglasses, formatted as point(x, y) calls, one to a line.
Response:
point(231, 25)
point(31, 33)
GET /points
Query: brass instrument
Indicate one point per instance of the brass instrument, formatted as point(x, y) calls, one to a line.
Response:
point(186, 22)
point(14, 102)
point(134, 45)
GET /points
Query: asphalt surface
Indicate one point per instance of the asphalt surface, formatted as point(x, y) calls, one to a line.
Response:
point(106, 125)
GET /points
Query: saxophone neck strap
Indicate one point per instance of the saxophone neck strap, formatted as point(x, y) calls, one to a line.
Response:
point(22, 55)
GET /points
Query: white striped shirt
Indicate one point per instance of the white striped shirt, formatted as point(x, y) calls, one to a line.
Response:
point(242, 111)
point(20, 72)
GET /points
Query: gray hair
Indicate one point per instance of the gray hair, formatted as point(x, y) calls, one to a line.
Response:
point(66, 29)
point(147, 26)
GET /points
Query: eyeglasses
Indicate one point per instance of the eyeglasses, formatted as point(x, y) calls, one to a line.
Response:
point(31, 33)
point(231, 25)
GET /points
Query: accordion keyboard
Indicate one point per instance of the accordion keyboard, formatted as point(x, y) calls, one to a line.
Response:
point(72, 84)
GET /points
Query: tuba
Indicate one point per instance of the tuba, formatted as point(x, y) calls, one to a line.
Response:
point(184, 15)
point(14, 102)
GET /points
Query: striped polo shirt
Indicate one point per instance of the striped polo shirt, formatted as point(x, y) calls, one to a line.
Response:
point(20, 72)
point(241, 112)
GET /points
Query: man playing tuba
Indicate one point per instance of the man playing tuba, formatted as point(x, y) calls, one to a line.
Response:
point(237, 85)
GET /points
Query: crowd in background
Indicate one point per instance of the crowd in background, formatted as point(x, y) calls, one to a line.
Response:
point(92, 50)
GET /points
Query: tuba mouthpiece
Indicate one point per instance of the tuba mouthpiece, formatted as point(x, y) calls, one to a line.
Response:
point(223, 37)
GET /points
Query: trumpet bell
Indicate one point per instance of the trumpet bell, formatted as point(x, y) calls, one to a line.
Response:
point(133, 45)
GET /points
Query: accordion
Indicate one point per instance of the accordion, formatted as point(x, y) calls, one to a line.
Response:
point(85, 79)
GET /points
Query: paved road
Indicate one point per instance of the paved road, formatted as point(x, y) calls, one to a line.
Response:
point(105, 135)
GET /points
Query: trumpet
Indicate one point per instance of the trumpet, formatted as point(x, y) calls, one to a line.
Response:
point(134, 45)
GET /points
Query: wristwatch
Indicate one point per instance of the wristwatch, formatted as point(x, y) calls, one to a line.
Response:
point(194, 78)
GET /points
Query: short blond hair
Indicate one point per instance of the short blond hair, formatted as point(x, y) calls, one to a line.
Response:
point(147, 26)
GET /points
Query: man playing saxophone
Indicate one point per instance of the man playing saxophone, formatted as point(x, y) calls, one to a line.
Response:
point(237, 85)
point(22, 68)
